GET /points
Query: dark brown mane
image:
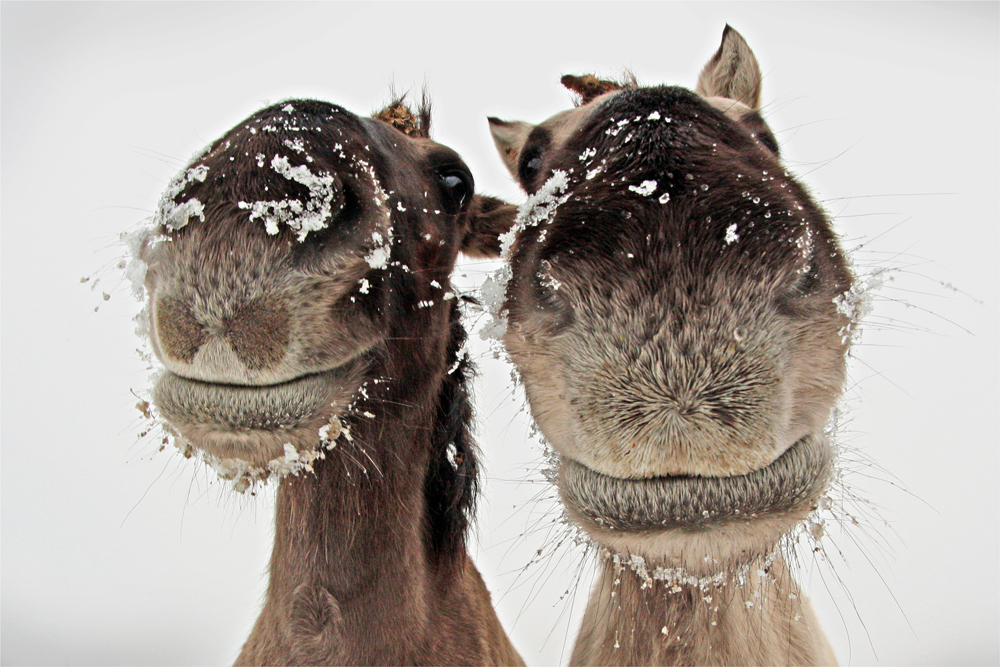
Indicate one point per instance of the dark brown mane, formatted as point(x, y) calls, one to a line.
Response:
point(452, 482)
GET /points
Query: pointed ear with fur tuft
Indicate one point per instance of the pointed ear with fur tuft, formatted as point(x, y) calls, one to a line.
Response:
point(588, 86)
point(489, 217)
point(509, 137)
point(732, 72)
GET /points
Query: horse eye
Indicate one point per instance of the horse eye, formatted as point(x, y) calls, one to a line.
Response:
point(451, 181)
point(531, 163)
point(456, 190)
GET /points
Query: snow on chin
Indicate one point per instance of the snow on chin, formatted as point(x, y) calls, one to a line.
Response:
point(294, 462)
point(808, 533)
point(241, 473)
point(244, 474)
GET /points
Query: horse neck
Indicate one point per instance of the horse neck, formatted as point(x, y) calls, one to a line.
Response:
point(361, 515)
point(369, 563)
point(353, 575)
point(760, 620)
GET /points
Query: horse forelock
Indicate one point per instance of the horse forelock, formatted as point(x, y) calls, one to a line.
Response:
point(398, 114)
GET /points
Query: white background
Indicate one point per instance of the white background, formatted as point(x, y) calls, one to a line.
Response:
point(115, 554)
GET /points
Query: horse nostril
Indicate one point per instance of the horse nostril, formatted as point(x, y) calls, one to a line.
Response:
point(180, 335)
point(258, 333)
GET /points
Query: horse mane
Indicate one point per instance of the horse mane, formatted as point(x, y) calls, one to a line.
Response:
point(452, 483)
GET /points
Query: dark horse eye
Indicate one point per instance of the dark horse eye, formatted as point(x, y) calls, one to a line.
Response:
point(456, 190)
point(531, 163)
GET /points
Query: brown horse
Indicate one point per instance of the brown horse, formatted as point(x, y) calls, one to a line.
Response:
point(299, 299)
point(678, 314)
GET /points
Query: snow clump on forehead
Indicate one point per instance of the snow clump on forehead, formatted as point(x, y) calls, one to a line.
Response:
point(313, 215)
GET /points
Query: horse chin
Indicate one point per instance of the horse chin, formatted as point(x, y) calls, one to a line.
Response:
point(702, 524)
point(255, 424)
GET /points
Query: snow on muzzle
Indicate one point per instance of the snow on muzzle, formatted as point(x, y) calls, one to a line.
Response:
point(254, 423)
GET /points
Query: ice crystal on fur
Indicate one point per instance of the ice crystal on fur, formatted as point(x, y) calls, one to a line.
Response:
point(310, 216)
point(731, 235)
point(539, 209)
point(378, 258)
point(645, 188)
point(857, 302)
point(172, 215)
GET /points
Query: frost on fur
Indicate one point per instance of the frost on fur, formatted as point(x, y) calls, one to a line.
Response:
point(539, 209)
point(310, 216)
point(857, 303)
point(171, 215)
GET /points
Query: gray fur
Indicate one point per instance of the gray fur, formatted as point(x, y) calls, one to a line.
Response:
point(697, 503)
point(282, 406)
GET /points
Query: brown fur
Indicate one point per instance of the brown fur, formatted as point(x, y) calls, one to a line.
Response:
point(268, 337)
point(675, 322)
point(588, 86)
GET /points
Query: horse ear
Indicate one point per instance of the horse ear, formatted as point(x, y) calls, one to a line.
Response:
point(489, 217)
point(732, 72)
point(509, 137)
point(588, 86)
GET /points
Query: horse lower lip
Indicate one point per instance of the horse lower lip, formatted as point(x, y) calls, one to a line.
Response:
point(242, 408)
point(794, 480)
